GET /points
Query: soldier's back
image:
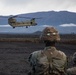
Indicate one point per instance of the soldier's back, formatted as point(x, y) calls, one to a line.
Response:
point(47, 60)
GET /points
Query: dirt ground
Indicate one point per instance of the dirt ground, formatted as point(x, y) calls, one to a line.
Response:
point(14, 56)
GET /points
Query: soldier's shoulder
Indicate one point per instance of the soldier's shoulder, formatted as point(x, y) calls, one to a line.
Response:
point(62, 53)
point(35, 54)
point(71, 70)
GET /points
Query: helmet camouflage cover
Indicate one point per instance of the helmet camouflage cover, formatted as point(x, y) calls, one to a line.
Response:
point(50, 34)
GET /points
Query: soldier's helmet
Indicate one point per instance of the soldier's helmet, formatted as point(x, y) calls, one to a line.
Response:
point(50, 34)
point(74, 58)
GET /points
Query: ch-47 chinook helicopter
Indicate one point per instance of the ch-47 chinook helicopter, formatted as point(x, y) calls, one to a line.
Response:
point(14, 23)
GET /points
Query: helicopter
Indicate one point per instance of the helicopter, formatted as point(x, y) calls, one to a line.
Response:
point(14, 23)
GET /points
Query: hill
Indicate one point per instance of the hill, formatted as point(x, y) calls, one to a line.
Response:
point(48, 18)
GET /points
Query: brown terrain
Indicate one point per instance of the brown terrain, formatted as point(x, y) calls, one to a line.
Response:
point(15, 50)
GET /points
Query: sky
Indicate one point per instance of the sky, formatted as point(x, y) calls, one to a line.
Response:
point(14, 7)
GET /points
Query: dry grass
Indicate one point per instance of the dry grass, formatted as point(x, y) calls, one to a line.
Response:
point(65, 38)
point(19, 40)
point(70, 41)
point(36, 40)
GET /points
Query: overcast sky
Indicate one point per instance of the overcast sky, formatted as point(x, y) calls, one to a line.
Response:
point(13, 7)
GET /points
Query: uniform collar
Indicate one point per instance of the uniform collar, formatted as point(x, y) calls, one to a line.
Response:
point(50, 48)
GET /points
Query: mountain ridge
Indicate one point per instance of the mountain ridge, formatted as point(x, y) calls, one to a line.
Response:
point(47, 18)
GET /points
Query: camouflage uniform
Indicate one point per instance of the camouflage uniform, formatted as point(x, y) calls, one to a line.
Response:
point(49, 61)
point(72, 71)
point(57, 59)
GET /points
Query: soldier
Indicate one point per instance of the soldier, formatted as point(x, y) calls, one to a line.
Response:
point(49, 61)
point(72, 71)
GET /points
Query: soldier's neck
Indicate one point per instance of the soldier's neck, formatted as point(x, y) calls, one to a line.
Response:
point(52, 44)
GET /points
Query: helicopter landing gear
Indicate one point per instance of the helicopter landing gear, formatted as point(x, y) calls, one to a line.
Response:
point(13, 27)
point(26, 26)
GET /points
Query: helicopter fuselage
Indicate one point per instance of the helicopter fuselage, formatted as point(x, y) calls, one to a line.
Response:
point(14, 23)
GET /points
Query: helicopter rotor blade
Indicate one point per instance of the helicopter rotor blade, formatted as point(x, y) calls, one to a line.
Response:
point(29, 17)
point(11, 16)
point(24, 17)
point(4, 17)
